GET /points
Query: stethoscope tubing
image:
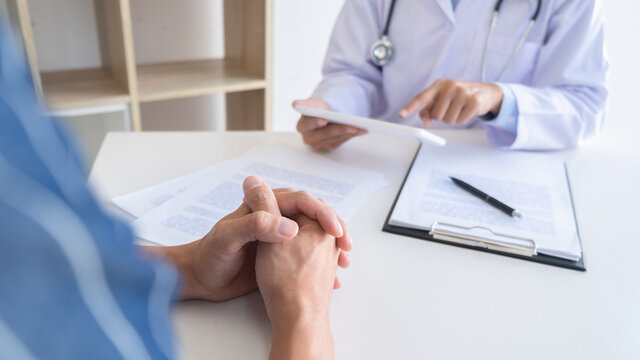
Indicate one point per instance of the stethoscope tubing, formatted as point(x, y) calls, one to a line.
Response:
point(494, 20)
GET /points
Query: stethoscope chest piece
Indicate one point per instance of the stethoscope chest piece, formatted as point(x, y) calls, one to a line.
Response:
point(382, 51)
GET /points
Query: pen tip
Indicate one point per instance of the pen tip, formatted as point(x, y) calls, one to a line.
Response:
point(516, 213)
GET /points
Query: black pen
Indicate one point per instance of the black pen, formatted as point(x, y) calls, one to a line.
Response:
point(487, 198)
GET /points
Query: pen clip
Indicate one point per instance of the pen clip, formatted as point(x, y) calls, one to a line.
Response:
point(439, 231)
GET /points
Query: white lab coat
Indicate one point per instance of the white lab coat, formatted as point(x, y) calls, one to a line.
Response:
point(558, 77)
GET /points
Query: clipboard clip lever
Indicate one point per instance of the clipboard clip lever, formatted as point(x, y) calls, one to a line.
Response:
point(465, 236)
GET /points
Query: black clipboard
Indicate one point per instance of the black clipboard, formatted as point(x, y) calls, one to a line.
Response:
point(539, 258)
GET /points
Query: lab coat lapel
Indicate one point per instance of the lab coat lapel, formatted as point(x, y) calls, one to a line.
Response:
point(447, 9)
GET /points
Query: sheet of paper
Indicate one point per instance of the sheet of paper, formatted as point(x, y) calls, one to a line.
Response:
point(534, 184)
point(140, 202)
point(192, 213)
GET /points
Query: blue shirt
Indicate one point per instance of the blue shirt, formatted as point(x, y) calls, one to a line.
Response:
point(507, 118)
point(72, 285)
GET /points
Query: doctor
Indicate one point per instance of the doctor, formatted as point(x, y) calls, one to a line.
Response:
point(532, 72)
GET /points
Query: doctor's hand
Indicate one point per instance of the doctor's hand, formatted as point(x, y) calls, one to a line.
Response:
point(321, 134)
point(452, 101)
point(221, 265)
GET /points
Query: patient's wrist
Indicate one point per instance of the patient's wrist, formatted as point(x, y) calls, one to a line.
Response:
point(306, 337)
point(182, 258)
point(291, 305)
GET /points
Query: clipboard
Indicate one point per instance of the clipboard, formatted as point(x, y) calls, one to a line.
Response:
point(446, 234)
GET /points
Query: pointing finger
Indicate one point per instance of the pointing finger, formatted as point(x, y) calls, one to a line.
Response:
point(343, 260)
point(420, 100)
point(337, 283)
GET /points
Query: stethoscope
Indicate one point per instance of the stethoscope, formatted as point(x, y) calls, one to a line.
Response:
point(382, 50)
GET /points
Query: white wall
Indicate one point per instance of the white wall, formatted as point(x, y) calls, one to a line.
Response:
point(65, 34)
point(301, 35)
point(622, 31)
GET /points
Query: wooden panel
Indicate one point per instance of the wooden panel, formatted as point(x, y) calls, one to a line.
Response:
point(21, 21)
point(245, 34)
point(129, 53)
point(247, 37)
point(193, 78)
point(113, 18)
point(245, 110)
point(268, 66)
point(82, 88)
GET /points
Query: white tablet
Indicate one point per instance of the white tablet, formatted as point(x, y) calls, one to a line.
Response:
point(372, 125)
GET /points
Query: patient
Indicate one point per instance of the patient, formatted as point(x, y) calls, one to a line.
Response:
point(73, 285)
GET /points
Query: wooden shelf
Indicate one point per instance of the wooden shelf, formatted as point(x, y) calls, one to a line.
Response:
point(244, 75)
point(193, 78)
point(82, 88)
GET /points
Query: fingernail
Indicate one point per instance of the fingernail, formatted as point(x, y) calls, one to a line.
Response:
point(251, 182)
point(286, 227)
point(322, 122)
point(339, 226)
point(352, 130)
point(404, 113)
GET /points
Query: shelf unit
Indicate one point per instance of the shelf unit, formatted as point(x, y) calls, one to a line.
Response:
point(244, 74)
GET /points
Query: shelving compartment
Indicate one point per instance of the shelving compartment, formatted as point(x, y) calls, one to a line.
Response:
point(192, 78)
point(103, 83)
point(82, 88)
point(241, 73)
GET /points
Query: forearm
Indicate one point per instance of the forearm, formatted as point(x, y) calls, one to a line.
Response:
point(302, 339)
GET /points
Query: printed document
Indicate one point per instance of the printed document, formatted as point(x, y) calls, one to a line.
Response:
point(189, 210)
point(142, 201)
point(534, 184)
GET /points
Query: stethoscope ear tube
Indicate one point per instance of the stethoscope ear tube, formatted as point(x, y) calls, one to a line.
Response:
point(494, 20)
point(382, 50)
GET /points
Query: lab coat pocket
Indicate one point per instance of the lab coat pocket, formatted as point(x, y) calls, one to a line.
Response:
point(519, 68)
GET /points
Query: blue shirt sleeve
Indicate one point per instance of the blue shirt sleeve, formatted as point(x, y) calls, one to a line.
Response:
point(72, 285)
point(507, 119)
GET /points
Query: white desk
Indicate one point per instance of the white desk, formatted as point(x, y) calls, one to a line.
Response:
point(405, 298)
